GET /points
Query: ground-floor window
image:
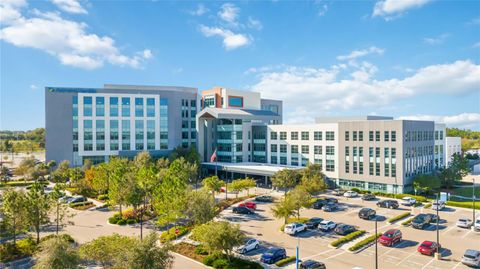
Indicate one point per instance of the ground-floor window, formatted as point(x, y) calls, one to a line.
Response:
point(377, 187)
point(351, 183)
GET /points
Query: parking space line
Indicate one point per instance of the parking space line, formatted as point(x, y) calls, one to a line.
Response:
point(336, 255)
point(413, 253)
point(449, 229)
point(457, 265)
point(425, 266)
point(466, 234)
point(318, 254)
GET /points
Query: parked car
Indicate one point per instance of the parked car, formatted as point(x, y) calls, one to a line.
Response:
point(390, 237)
point(294, 228)
point(477, 224)
point(64, 199)
point(388, 204)
point(368, 197)
point(249, 204)
point(313, 223)
point(330, 207)
point(242, 210)
point(464, 222)
point(409, 201)
point(77, 199)
point(433, 217)
point(331, 200)
point(319, 203)
point(273, 255)
point(428, 247)
point(367, 213)
point(420, 221)
point(344, 229)
point(264, 198)
point(471, 257)
point(250, 244)
point(338, 192)
point(438, 204)
point(350, 194)
point(327, 225)
point(311, 264)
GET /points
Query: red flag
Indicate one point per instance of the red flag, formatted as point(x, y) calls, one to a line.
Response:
point(214, 157)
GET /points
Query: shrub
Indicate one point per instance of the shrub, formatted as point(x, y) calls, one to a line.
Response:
point(65, 237)
point(365, 242)
point(26, 246)
point(121, 222)
point(357, 190)
point(131, 221)
point(85, 205)
point(102, 197)
point(210, 259)
point(347, 238)
point(427, 205)
point(407, 222)
point(128, 213)
point(285, 261)
point(201, 250)
point(220, 263)
point(463, 204)
point(399, 217)
point(170, 235)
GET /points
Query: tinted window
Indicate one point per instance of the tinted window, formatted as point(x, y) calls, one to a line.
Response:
point(235, 101)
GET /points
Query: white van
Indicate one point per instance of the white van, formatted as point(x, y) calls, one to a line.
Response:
point(438, 204)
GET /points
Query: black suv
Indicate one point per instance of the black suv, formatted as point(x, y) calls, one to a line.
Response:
point(242, 210)
point(264, 198)
point(388, 204)
point(313, 223)
point(344, 229)
point(367, 213)
point(421, 220)
point(311, 264)
point(319, 203)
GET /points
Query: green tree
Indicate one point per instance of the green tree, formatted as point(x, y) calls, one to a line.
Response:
point(109, 251)
point(57, 253)
point(200, 207)
point(25, 168)
point(285, 179)
point(170, 196)
point(219, 236)
point(148, 254)
point(14, 210)
point(61, 210)
point(212, 184)
point(236, 186)
point(426, 183)
point(299, 198)
point(61, 174)
point(38, 205)
point(456, 170)
point(284, 209)
point(4, 173)
point(248, 183)
point(118, 168)
point(312, 179)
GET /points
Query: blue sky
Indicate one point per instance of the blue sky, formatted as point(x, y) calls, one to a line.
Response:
point(415, 59)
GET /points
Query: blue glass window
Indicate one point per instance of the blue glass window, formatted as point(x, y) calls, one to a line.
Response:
point(126, 106)
point(113, 106)
point(100, 106)
point(235, 101)
point(138, 107)
point(87, 106)
point(150, 107)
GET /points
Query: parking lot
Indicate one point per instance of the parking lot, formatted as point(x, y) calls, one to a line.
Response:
point(314, 244)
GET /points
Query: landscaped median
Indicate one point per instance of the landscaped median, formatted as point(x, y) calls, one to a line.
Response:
point(82, 205)
point(467, 204)
point(397, 218)
point(347, 238)
point(407, 222)
point(285, 261)
point(174, 233)
point(364, 243)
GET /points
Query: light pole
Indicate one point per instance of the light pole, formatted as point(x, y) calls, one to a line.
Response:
point(376, 244)
point(438, 233)
point(473, 199)
point(298, 253)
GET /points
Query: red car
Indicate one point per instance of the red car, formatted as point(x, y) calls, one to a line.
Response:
point(428, 248)
point(249, 204)
point(390, 237)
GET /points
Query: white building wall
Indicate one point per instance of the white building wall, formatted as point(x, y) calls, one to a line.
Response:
point(251, 100)
point(439, 147)
point(452, 145)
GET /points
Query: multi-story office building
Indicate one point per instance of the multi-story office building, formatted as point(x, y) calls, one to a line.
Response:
point(372, 153)
point(233, 123)
point(453, 145)
point(84, 123)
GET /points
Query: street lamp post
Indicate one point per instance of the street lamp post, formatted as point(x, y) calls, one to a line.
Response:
point(376, 245)
point(297, 253)
point(438, 233)
point(473, 200)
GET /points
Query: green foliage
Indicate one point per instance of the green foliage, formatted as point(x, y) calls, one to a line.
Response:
point(300, 198)
point(285, 261)
point(220, 261)
point(347, 238)
point(398, 217)
point(201, 250)
point(407, 222)
point(15, 211)
point(146, 254)
point(463, 204)
point(312, 179)
point(200, 207)
point(16, 183)
point(463, 133)
point(102, 197)
point(38, 204)
point(57, 253)
point(212, 184)
point(65, 237)
point(13, 251)
point(131, 221)
point(82, 205)
point(284, 209)
point(365, 242)
point(426, 183)
point(428, 205)
point(122, 222)
point(285, 179)
point(457, 169)
point(219, 236)
point(419, 198)
point(189, 154)
point(36, 135)
point(170, 235)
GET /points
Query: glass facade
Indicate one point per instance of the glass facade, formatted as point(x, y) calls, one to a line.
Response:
point(125, 134)
point(235, 101)
point(139, 107)
point(99, 106)
point(113, 106)
point(125, 106)
point(87, 106)
point(139, 134)
point(150, 107)
point(163, 123)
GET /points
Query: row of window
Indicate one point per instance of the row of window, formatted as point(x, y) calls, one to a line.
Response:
point(139, 108)
point(305, 135)
point(294, 161)
point(305, 149)
point(371, 186)
point(423, 135)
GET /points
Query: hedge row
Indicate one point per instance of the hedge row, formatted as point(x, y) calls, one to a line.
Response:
point(16, 184)
point(401, 216)
point(464, 204)
point(347, 238)
point(220, 261)
point(407, 222)
point(365, 242)
point(170, 235)
point(82, 205)
point(427, 205)
point(285, 261)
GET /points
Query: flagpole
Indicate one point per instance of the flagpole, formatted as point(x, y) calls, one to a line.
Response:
point(216, 162)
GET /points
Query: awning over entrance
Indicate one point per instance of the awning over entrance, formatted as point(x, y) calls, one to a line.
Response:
point(259, 169)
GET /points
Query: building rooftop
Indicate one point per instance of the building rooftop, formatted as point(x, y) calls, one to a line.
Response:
point(212, 112)
point(350, 118)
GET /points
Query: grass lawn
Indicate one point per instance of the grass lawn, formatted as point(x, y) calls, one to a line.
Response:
point(467, 191)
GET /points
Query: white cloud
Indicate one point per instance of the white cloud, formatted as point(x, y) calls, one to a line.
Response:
point(33, 87)
point(67, 40)
point(436, 40)
point(230, 39)
point(9, 10)
point(147, 54)
point(323, 10)
point(360, 53)
point(255, 24)
point(70, 6)
point(463, 120)
point(229, 13)
point(390, 9)
point(322, 90)
point(201, 9)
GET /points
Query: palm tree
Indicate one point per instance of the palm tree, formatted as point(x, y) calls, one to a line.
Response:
point(284, 209)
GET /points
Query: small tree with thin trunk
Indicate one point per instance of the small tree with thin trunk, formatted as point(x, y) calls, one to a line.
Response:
point(285, 179)
point(213, 184)
point(14, 210)
point(38, 205)
point(284, 209)
point(57, 253)
point(299, 198)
